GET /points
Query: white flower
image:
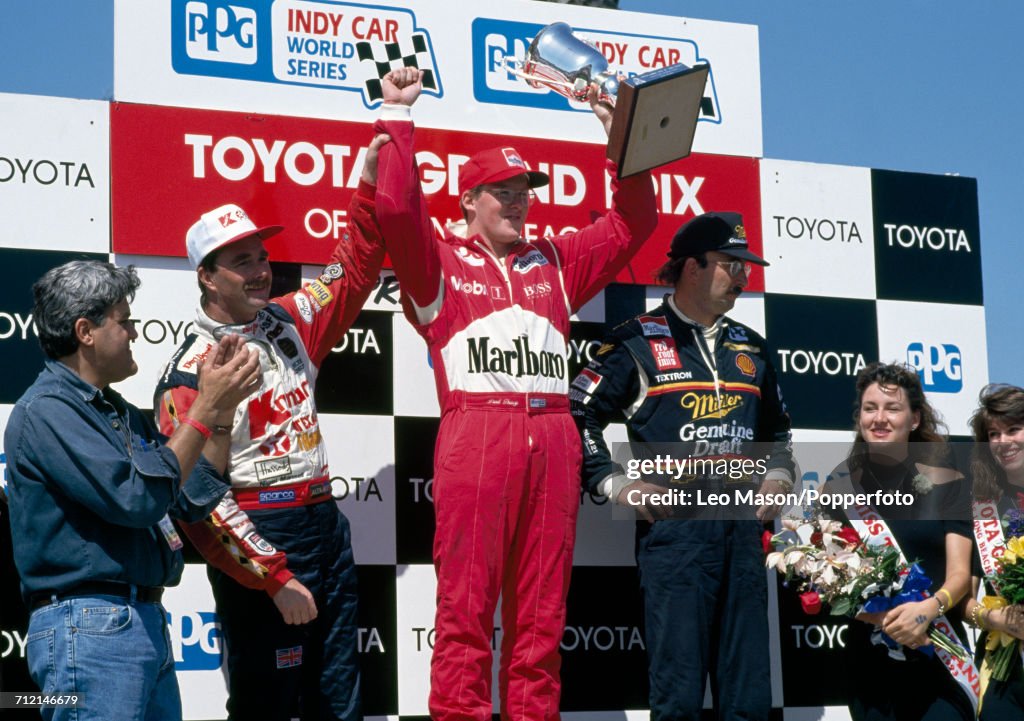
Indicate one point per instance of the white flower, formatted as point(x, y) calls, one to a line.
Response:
point(848, 558)
point(804, 532)
point(922, 484)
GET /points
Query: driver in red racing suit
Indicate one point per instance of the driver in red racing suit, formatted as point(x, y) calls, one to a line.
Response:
point(494, 311)
point(279, 549)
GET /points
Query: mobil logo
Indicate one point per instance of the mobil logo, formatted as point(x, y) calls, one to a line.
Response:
point(220, 31)
point(940, 367)
point(195, 640)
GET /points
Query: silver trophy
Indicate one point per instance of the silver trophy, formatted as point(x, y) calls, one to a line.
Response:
point(655, 113)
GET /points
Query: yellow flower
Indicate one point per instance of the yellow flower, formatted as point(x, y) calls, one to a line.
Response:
point(1014, 547)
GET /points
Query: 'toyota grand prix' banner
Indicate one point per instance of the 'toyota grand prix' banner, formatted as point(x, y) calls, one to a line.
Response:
point(170, 165)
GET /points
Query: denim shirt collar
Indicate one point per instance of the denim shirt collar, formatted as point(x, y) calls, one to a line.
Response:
point(65, 375)
point(82, 388)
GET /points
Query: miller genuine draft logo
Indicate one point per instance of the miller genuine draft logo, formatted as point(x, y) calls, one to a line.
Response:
point(708, 405)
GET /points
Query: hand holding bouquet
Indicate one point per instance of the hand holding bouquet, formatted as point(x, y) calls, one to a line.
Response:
point(830, 565)
point(1000, 646)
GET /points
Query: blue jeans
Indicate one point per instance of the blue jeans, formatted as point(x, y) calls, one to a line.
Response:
point(114, 653)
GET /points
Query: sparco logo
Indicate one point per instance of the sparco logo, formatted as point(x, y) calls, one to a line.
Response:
point(818, 361)
point(913, 236)
point(845, 231)
point(44, 172)
point(518, 362)
point(938, 366)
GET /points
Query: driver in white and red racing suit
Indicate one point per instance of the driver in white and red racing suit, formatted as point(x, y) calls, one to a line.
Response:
point(279, 549)
point(494, 311)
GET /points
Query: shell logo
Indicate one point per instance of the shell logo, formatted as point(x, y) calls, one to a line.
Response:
point(746, 365)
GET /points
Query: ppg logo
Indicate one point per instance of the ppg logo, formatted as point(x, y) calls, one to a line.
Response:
point(500, 46)
point(492, 42)
point(938, 366)
point(220, 32)
point(195, 640)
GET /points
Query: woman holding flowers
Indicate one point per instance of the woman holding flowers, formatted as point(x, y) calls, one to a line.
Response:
point(894, 670)
point(997, 464)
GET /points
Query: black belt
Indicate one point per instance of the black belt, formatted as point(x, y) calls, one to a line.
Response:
point(143, 594)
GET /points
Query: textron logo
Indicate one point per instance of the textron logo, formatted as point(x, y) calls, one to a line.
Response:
point(218, 31)
point(938, 366)
point(195, 640)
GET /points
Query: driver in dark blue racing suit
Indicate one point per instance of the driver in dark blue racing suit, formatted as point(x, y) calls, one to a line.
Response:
point(686, 377)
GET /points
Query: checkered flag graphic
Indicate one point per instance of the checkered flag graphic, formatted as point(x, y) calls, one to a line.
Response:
point(394, 59)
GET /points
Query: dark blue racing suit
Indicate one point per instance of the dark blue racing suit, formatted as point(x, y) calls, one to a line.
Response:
point(703, 579)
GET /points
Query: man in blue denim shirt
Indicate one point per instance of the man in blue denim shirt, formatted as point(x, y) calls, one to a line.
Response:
point(92, 485)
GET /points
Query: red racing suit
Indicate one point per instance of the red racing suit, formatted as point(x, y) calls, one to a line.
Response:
point(278, 461)
point(507, 458)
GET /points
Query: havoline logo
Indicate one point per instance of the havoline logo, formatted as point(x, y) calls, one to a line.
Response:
point(519, 362)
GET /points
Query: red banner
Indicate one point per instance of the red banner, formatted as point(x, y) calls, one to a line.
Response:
point(170, 165)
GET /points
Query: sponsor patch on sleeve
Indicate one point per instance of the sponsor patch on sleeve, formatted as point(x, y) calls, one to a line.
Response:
point(665, 355)
point(738, 334)
point(305, 309)
point(319, 292)
point(259, 544)
point(587, 381)
point(331, 273)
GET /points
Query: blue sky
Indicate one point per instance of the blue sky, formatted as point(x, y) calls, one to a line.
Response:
point(927, 86)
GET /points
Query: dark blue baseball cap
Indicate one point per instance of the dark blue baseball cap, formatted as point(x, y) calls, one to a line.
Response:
point(713, 231)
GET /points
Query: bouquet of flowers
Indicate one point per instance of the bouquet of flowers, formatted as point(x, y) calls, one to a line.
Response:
point(830, 565)
point(1000, 647)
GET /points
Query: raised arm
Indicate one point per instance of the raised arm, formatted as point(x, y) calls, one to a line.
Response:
point(325, 308)
point(401, 207)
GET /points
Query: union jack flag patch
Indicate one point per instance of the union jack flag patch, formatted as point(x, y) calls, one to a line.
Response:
point(289, 657)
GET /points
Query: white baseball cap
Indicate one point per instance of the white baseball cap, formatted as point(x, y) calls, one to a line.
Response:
point(223, 225)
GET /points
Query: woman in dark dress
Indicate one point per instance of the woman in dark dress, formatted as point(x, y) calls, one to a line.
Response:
point(899, 448)
point(997, 465)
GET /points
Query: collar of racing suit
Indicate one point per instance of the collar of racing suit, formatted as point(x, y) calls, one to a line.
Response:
point(250, 331)
point(458, 231)
point(711, 332)
point(218, 330)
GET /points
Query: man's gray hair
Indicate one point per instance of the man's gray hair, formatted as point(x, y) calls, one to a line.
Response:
point(78, 289)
